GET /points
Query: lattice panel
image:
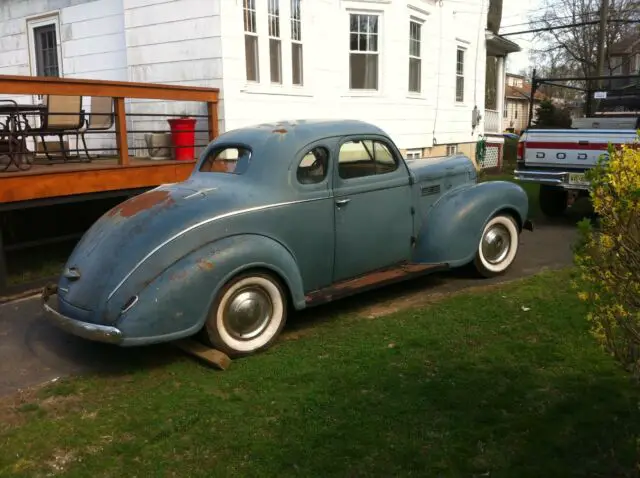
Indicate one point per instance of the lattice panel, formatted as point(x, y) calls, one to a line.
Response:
point(492, 157)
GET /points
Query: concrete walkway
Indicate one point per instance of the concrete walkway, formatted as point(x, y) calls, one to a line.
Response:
point(33, 352)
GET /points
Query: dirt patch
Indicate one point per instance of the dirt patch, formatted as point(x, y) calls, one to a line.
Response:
point(387, 306)
point(18, 408)
point(60, 460)
point(419, 299)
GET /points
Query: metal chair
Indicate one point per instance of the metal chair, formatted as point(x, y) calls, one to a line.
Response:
point(101, 118)
point(62, 116)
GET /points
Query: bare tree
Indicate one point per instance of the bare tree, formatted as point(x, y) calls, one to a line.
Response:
point(575, 47)
point(494, 15)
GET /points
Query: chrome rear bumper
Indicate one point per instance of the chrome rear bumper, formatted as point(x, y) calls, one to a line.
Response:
point(95, 332)
point(552, 178)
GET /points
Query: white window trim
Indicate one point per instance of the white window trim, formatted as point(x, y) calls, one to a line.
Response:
point(278, 38)
point(50, 18)
point(381, 57)
point(300, 42)
point(255, 34)
point(286, 88)
point(421, 22)
point(464, 77)
point(413, 154)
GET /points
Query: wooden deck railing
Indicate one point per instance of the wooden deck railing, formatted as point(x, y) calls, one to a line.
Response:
point(102, 176)
point(13, 86)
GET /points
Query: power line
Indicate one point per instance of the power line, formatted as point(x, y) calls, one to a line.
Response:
point(539, 20)
point(545, 20)
point(571, 25)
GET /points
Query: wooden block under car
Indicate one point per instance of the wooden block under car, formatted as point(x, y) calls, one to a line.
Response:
point(211, 356)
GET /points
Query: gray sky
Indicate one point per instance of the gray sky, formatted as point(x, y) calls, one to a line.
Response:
point(515, 12)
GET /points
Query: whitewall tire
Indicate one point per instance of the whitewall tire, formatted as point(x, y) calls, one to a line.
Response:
point(247, 315)
point(498, 246)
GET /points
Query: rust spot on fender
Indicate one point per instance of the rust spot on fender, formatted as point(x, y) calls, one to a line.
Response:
point(142, 202)
point(205, 264)
point(178, 276)
point(279, 130)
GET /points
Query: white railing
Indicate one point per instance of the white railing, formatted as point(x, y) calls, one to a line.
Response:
point(492, 121)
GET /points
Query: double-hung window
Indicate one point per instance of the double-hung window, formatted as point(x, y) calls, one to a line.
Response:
point(275, 44)
point(296, 44)
point(415, 58)
point(363, 51)
point(460, 75)
point(251, 41)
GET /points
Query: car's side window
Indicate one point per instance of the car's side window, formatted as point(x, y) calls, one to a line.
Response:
point(229, 159)
point(366, 157)
point(385, 163)
point(314, 166)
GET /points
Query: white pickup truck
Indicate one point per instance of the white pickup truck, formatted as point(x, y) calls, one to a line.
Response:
point(558, 158)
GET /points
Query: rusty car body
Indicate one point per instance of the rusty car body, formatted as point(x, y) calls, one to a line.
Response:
point(277, 217)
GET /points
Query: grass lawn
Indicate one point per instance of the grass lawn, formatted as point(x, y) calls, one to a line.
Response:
point(503, 383)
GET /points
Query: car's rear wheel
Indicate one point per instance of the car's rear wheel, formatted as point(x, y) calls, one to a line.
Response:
point(498, 246)
point(247, 315)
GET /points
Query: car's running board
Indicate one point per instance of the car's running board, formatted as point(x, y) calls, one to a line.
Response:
point(372, 280)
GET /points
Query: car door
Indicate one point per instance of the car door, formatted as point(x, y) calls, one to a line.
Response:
point(373, 215)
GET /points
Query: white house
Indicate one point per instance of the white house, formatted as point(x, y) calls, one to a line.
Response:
point(416, 68)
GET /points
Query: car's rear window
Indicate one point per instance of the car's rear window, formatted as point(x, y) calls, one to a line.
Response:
point(228, 159)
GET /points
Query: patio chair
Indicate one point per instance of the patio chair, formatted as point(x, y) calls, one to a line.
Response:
point(62, 116)
point(101, 118)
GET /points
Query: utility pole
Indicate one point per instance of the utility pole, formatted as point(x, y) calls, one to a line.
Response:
point(604, 13)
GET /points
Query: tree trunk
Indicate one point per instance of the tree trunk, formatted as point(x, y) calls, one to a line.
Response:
point(494, 18)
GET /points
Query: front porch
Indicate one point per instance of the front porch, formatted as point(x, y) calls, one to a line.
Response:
point(497, 50)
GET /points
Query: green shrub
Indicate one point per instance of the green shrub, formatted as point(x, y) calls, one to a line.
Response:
point(608, 255)
point(549, 115)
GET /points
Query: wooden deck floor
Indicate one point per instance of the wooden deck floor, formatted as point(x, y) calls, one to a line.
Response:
point(45, 181)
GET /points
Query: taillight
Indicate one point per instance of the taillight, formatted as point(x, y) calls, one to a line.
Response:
point(520, 151)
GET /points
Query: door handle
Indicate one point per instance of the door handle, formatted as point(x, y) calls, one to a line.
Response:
point(342, 202)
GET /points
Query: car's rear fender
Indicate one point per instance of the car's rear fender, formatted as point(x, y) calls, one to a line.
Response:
point(451, 229)
point(176, 303)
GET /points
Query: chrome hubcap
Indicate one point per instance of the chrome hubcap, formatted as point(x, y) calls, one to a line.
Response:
point(247, 313)
point(496, 244)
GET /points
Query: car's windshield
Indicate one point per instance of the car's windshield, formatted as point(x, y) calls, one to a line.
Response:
point(227, 159)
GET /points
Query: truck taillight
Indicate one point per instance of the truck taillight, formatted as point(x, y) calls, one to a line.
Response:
point(520, 151)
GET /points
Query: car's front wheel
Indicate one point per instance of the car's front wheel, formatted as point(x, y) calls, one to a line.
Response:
point(247, 315)
point(498, 246)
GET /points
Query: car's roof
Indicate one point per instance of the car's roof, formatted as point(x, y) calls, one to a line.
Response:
point(277, 143)
point(296, 134)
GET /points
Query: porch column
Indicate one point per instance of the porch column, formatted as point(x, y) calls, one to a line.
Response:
point(500, 92)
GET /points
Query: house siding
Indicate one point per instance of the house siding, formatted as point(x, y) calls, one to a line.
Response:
point(186, 42)
point(414, 121)
point(91, 37)
point(517, 114)
point(172, 42)
point(91, 43)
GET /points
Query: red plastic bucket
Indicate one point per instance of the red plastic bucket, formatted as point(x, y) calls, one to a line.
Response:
point(183, 138)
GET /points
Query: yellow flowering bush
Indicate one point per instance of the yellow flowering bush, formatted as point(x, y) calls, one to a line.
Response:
point(608, 255)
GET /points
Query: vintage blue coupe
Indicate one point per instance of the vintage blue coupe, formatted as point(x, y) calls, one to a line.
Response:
point(274, 217)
